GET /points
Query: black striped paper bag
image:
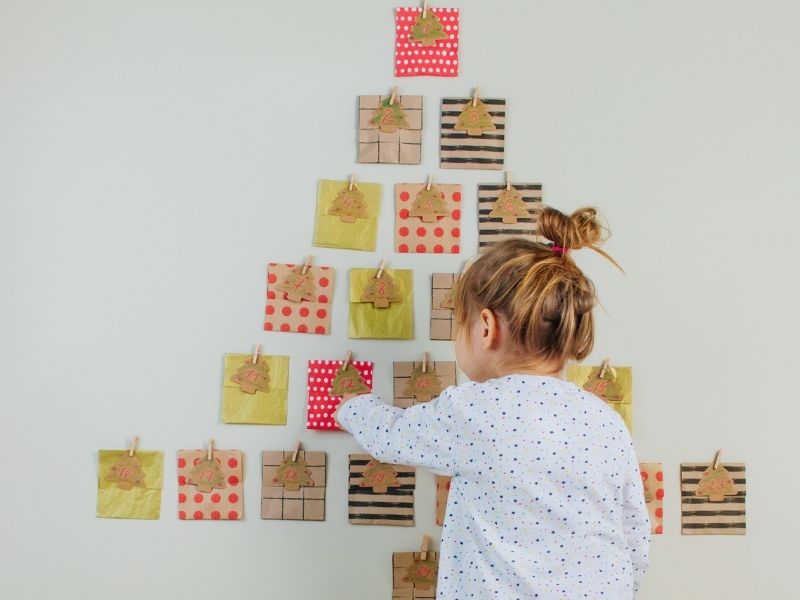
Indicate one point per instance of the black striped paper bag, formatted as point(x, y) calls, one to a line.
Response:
point(492, 230)
point(725, 515)
point(459, 150)
point(394, 506)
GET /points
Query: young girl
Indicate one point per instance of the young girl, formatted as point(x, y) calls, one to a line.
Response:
point(546, 499)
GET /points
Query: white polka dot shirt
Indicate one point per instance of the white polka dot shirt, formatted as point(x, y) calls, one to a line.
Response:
point(546, 500)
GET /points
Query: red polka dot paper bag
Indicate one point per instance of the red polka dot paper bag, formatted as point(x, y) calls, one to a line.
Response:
point(426, 45)
point(210, 489)
point(427, 221)
point(297, 301)
point(321, 403)
point(653, 483)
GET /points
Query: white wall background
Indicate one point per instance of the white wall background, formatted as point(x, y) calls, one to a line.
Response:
point(155, 155)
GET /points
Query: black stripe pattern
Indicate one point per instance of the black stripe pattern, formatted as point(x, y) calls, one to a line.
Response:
point(459, 149)
point(366, 506)
point(723, 514)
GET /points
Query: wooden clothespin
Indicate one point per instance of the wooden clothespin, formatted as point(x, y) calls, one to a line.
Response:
point(296, 450)
point(425, 9)
point(423, 551)
point(430, 183)
point(604, 367)
point(306, 265)
point(475, 96)
point(379, 274)
point(256, 354)
point(134, 443)
point(347, 360)
point(508, 180)
point(352, 183)
point(717, 457)
point(394, 96)
point(210, 453)
point(424, 362)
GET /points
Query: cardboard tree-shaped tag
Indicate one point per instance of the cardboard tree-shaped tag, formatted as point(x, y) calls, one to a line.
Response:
point(380, 477)
point(390, 117)
point(449, 300)
point(716, 484)
point(474, 119)
point(207, 475)
point(127, 473)
point(429, 205)
point(293, 474)
point(510, 206)
point(348, 381)
point(427, 29)
point(299, 286)
point(424, 384)
point(604, 385)
point(253, 377)
point(421, 573)
point(381, 291)
point(349, 205)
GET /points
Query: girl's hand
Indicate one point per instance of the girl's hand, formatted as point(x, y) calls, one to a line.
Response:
point(345, 398)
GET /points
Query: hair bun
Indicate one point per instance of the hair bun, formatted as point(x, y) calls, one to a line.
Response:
point(581, 229)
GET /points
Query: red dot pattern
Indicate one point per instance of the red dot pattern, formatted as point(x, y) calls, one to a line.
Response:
point(653, 477)
point(218, 504)
point(284, 315)
point(321, 405)
point(413, 235)
point(412, 59)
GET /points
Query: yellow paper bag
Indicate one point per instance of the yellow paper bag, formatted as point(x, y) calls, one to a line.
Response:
point(395, 322)
point(142, 501)
point(331, 232)
point(267, 406)
point(616, 389)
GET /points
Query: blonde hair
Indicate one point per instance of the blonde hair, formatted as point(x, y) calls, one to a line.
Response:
point(539, 291)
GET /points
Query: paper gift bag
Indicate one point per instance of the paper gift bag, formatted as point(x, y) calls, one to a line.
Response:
point(210, 490)
point(424, 224)
point(497, 223)
point(129, 487)
point(390, 133)
point(460, 149)
point(345, 220)
point(653, 483)
point(379, 493)
point(293, 489)
point(426, 45)
point(713, 500)
point(442, 325)
point(393, 322)
point(442, 493)
point(298, 301)
point(414, 577)
point(321, 401)
point(413, 385)
point(257, 393)
point(615, 387)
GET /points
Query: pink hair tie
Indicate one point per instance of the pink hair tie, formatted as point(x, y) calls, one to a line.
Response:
point(559, 249)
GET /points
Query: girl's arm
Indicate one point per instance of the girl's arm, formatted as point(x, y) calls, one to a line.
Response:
point(423, 435)
point(636, 520)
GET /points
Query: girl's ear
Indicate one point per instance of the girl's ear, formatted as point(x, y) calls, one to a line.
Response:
point(489, 329)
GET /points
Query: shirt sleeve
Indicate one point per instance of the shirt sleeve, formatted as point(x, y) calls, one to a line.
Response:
point(421, 436)
point(636, 520)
